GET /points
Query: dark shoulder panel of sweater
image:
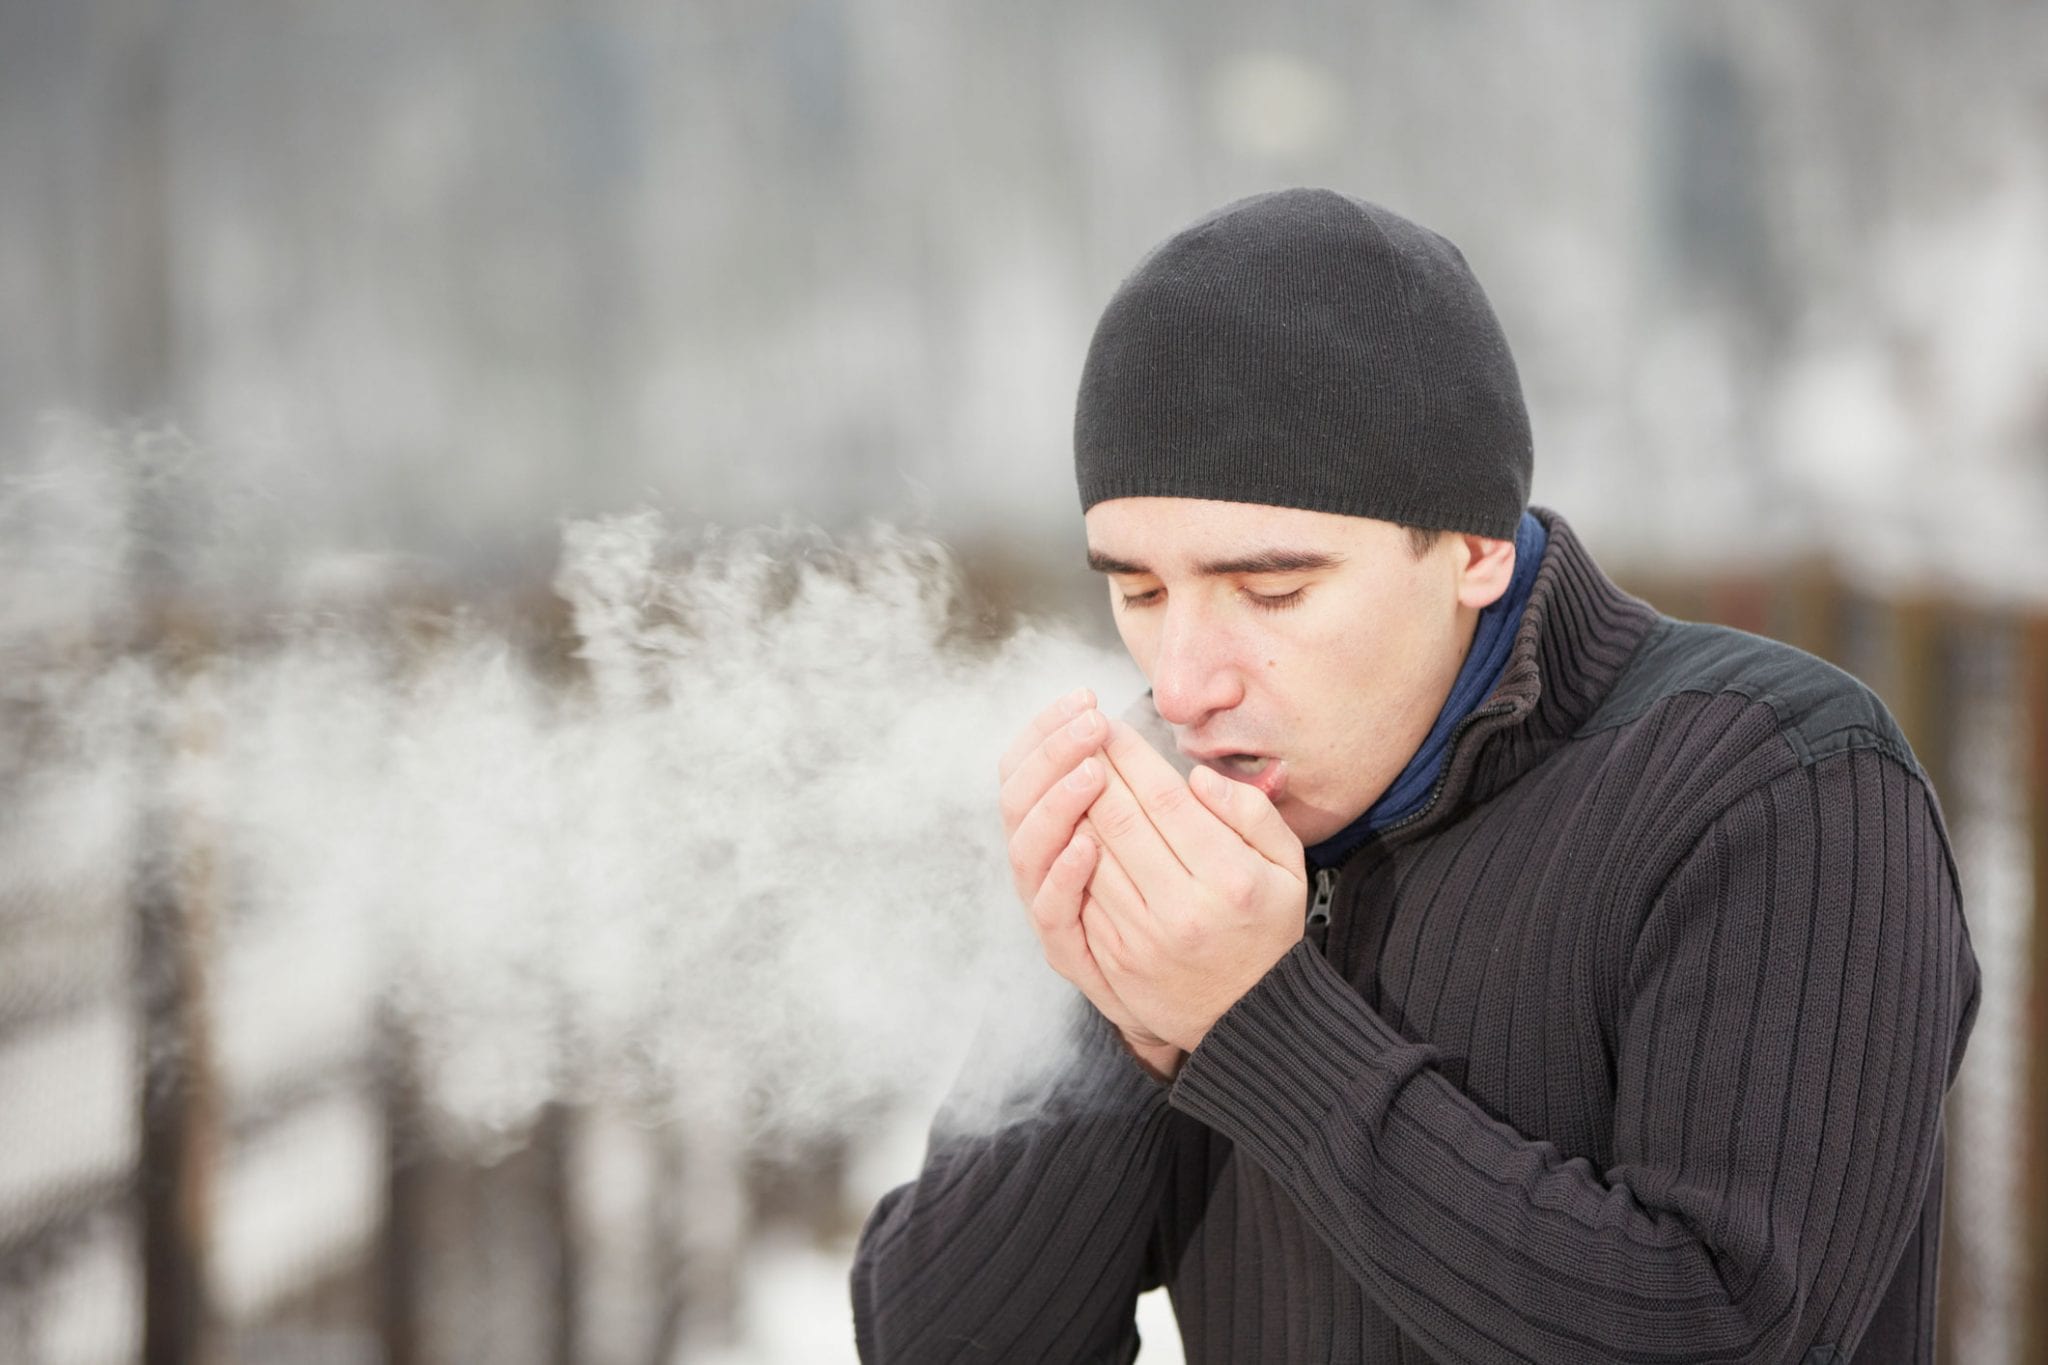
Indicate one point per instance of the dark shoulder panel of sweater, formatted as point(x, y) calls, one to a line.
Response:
point(1632, 1045)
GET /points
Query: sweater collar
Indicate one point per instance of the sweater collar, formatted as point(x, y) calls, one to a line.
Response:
point(1577, 633)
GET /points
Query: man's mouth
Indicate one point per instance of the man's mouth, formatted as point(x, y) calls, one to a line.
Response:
point(1263, 771)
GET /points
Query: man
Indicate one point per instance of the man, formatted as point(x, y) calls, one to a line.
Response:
point(1518, 975)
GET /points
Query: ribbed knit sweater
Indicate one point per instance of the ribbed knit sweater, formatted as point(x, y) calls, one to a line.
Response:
point(1631, 1045)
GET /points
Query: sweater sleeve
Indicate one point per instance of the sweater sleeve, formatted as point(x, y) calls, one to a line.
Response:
point(1031, 1243)
point(1793, 1012)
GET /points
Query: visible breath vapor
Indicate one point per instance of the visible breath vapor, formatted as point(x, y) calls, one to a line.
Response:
point(743, 858)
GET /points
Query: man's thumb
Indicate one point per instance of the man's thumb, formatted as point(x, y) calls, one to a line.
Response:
point(1247, 811)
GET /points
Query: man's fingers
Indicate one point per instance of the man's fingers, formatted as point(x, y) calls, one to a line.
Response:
point(1057, 916)
point(1043, 724)
point(1186, 825)
point(1104, 939)
point(1128, 831)
point(1057, 906)
point(1112, 885)
point(1039, 838)
point(1054, 757)
point(1183, 823)
point(1114, 917)
point(1247, 811)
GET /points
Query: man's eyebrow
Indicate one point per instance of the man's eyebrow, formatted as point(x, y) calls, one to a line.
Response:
point(1103, 563)
point(1258, 561)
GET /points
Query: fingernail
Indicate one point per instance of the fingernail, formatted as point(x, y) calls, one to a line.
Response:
point(1083, 725)
point(1080, 699)
point(1083, 776)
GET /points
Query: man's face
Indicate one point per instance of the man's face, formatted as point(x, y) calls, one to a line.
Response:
point(1305, 653)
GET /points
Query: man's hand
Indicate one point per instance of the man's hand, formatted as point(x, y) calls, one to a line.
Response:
point(1198, 889)
point(1046, 751)
point(1046, 788)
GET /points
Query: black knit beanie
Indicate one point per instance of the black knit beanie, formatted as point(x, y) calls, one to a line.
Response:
point(1307, 349)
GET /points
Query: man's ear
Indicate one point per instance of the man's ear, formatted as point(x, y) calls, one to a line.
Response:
point(1484, 568)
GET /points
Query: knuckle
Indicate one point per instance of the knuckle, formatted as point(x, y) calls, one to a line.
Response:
point(1237, 887)
point(1044, 919)
point(1169, 798)
point(1115, 820)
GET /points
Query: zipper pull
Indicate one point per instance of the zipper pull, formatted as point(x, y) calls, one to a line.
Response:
point(1319, 907)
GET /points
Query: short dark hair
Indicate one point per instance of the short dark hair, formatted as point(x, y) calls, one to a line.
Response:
point(1422, 539)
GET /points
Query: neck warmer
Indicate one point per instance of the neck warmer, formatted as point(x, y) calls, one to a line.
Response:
point(1484, 662)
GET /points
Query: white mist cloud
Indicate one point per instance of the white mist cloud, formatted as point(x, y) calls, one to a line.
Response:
point(744, 860)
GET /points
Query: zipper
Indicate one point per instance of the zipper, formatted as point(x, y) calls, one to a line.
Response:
point(1319, 906)
point(1318, 922)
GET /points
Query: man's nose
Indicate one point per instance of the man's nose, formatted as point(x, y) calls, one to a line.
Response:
point(1193, 673)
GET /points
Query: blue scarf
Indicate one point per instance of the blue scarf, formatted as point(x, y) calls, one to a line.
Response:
point(1485, 661)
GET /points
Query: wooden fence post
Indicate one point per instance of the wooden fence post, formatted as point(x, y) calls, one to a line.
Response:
point(403, 1236)
point(2033, 1134)
point(553, 1142)
point(179, 1099)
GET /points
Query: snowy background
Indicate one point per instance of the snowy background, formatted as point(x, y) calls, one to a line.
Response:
point(524, 527)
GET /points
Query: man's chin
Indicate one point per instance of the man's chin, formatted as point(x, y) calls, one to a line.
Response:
point(1310, 825)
